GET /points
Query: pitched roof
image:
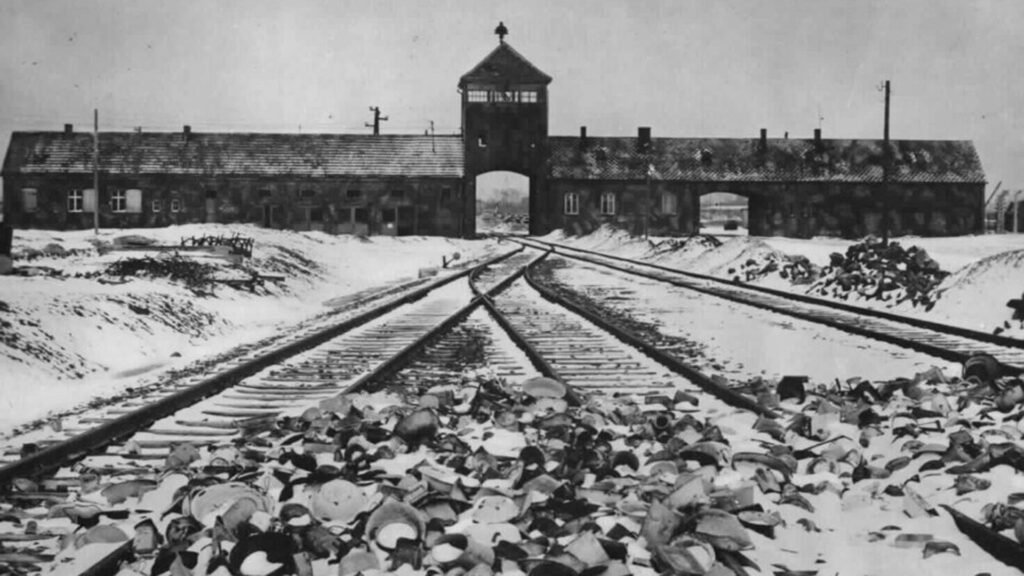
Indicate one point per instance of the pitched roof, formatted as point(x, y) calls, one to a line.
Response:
point(310, 155)
point(504, 63)
point(784, 160)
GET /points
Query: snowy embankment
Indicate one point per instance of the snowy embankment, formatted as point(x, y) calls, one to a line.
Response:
point(984, 272)
point(70, 330)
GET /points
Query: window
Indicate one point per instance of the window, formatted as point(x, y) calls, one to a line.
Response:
point(264, 194)
point(481, 140)
point(446, 194)
point(133, 202)
point(175, 205)
point(155, 206)
point(118, 201)
point(528, 96)
point(669, 203)
point(307, 194)
point(572, 203)
point(353, 194)
point(29, 200)
point(362, 216)
point(477, 96)
point(210, 194)
point(398, 194)
point(608, 203)
point(76, 200)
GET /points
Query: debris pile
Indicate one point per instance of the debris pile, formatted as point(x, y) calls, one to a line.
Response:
point(195, 275)
point(477, 477)
point(876, 269)
point(701, 241)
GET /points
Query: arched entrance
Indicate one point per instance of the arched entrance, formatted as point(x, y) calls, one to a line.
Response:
point(725, 214)
point(502, 203)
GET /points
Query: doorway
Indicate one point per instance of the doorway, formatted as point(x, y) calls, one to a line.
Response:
point(724, 214)
point(503, 203)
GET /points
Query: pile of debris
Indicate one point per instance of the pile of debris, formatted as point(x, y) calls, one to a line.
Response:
point(877, 269)
point(477, 477)
point(195, 275)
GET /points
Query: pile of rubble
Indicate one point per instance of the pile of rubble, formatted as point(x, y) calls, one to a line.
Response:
point(481, 478)
point(195, 275)
point(881, 270)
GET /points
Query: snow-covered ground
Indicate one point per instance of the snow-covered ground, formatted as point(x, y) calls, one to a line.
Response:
point(72, 332)
point(985, 271)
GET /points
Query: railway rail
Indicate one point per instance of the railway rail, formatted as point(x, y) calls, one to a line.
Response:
point(952, 343)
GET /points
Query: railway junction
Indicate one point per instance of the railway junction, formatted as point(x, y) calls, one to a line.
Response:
point(539, 410)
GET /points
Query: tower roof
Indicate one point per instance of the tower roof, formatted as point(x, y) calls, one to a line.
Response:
point(505, 64)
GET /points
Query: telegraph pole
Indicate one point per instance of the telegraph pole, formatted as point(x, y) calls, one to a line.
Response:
point(886, 161)
point(95, 171)
point(377, 118)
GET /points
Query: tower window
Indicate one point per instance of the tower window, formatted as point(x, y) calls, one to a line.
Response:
point(608, 203)
point(572, 203)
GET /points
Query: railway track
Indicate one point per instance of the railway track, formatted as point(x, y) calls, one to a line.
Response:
point(501, 319)
point(405, 346)
point(949, 342)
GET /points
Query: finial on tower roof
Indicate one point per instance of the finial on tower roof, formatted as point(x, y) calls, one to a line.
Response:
point(501, 31)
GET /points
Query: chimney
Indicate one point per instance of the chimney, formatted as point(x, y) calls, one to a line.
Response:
point(764, 139)
point(68, 129)
point(643, 138)
point(186, 133)
point(583, 137)
point(817, 137)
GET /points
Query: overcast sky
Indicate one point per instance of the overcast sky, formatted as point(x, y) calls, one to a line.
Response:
point(685, 68)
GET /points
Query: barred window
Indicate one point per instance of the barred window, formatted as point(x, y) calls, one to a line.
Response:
point(608, 203)
point(119, 201)
point(572, 203)
point(76, 199)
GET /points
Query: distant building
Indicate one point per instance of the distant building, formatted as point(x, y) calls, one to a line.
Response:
point(406, 184)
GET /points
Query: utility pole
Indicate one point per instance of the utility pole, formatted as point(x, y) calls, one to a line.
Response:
point(95, 171)
point(377, 118)
point(1016, 211)
point(886, 161)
